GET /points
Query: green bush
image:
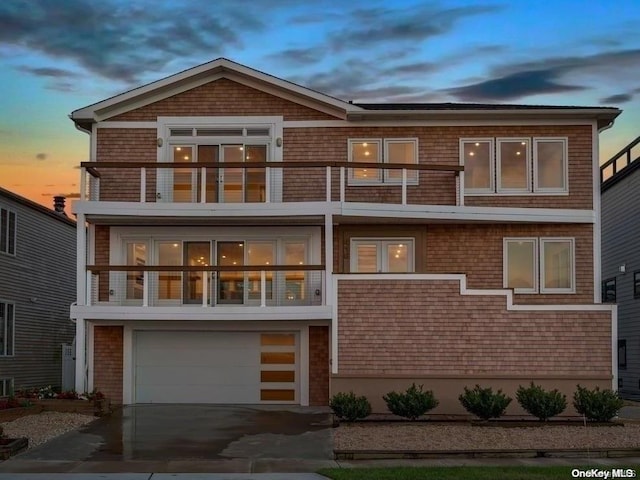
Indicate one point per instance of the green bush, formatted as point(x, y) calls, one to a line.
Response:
point(483, 403)
point(411, 404)
point(348, 406)
point(598, 405)
point(541, 403)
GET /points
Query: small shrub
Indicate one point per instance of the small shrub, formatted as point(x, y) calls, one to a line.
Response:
point(68, 395)
point(411, 404)
point(348, 406)
point(483, 403)
point(598, 405)
point(9, 402)
point(541, 403)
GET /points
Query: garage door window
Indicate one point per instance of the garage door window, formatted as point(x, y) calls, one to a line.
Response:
point(278, 367)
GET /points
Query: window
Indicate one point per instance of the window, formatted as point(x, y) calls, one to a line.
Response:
point(396, 151)
point(556, 262)
point(7, 325)
point(622, 354)
point(636, 284)
point(514, 166)
point(609, 291)
point(7, 231)
point(376, 255)
point(521, 267)
point(544, 265)
point(136, 255)
point(6, 387)
point(477, 158)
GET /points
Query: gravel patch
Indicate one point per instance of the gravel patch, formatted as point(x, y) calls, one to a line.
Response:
point(44, 426)
point(361, 436)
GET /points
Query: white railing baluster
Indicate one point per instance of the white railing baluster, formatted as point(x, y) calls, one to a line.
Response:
point(404, 186)
point(203, 185)
point(83, 184)
point(145, 289)
point(342, 184)
point(267, 185)
point(143, 185)
point(205, 289)
point(328, 183)
point(263, 288)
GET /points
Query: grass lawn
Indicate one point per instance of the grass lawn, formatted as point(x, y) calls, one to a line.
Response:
point(446, 473)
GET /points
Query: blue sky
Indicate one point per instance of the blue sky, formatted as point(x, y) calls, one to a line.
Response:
point(61, 55)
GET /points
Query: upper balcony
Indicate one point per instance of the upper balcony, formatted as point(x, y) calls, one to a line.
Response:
point(253, 188)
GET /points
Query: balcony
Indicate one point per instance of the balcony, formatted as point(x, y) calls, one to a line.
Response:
point(212, 287)
point(224, 183)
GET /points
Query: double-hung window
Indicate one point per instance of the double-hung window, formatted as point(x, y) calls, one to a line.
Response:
point(7, 231)
point(515, 166)
point(6, 387)
point(609, 290)
point(382, 255)
point(544, 265)
point(401, 151)
point(7, 327)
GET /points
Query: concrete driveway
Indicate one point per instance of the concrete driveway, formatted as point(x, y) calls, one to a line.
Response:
point(190, 438)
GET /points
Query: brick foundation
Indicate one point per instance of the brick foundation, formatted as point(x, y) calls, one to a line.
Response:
point(107, 351)
point(318, 365)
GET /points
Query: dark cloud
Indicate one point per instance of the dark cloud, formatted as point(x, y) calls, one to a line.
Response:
point(618, 98)
point(299, 56)
point(547, 76)
point(47, 72)
point(66, 195)
point(368, 26)
point(124, 40)
point(512, 87)
point(41, 156)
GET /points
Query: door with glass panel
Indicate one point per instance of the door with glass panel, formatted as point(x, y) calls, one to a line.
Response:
point(136, 253)
point(168, 284)
point(260, 253)
point(297, 283)
point(195, 283)
point(185, 179)
point(241, 185)
point(230, 284)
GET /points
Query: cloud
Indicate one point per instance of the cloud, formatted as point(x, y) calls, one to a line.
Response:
point(512, 87)
point(548, 76)
point(124, 40)
point(41, 156)
point(383, 25)
point(47, 72)
point(298, 56)
point(618, 98)
point(66, 195)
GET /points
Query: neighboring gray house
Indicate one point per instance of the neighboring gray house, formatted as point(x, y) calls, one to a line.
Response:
point(37, 286)
point(621, 259)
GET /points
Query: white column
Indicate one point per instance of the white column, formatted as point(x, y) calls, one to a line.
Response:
point(81, 266)
point(81, 360)
point(342, 183)
point(83, 184)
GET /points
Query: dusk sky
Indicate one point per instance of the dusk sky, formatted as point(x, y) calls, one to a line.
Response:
point(58, 56)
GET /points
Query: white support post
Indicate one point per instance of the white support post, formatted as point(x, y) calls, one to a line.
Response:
point(81, 267)
point(83, 184)
point(328, 183)
point(81, 360)
point(88, 277)
point(145, 289)
point(342, 184)
point(143, 185)
point(205, 288)
point(263, 288)
point(267, 185)
point(404, 186)
point(328, 257)
point(203, 185)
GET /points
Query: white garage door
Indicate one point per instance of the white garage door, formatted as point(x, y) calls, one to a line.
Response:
point(214, 367)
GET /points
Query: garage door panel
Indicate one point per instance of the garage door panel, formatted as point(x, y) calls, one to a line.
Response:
point(199, 367)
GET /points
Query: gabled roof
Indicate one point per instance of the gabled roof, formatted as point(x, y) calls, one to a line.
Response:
point(219, 68)
point(35, 206)
point(224, 68)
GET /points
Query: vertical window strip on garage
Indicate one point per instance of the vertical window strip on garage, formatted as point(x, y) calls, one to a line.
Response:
point(278, 365)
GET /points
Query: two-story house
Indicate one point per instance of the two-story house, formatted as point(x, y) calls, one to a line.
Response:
point(37, 287)
point(621, 259)
point(254, 241)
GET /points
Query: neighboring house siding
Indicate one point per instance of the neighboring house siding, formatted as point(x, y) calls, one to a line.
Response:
point(41, 281)
point(436, 145)
point(223, 97)
point(107, 346)
point(620, 240)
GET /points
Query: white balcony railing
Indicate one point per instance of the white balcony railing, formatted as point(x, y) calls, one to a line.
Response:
point(270, 182)
point(147, 286)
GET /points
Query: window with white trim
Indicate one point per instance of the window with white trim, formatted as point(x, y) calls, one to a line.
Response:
point(7, 231)
point(375, 255)
point(544, 265)
point(388, 150)
point(6, 387)
point(515, 166)
point(7, 328)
